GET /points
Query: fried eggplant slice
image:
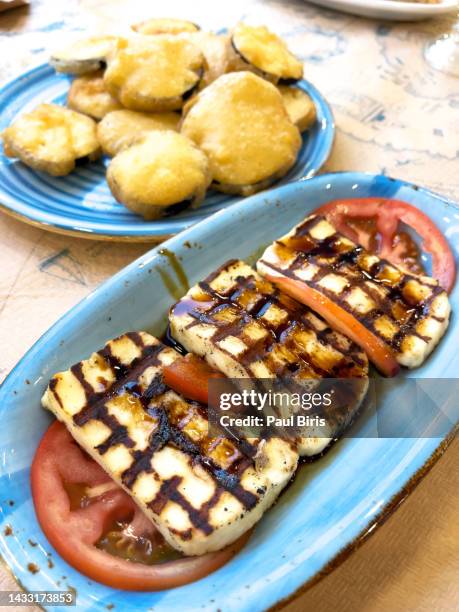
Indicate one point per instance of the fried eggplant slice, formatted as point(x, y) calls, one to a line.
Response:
point(156, 73)
point(88, 95)
point(379, 305)
point(83, 56)
point(52, 139)
point(159, 174)
point(165, 26)
point(300, 108)
point(120, 129)
point(202, 493)
point(214, 48)
point(240, 122)
point(245, 328)
point(256, 48)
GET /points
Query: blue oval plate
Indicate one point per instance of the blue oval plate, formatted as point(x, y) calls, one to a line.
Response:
point(331, 505)
point(81, 203)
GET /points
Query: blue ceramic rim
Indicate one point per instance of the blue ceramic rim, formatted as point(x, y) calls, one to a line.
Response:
point(392, 504)
point(151, 230)
point(374, 524)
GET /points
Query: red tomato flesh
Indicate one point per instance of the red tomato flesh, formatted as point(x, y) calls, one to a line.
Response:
point(189, 376)
point(338, 318)
point(388, 214)
point(84, 514)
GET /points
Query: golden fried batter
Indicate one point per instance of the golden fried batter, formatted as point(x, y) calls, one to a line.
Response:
point(164, 26)
point(122, 128)
point(154, 73)
point(51, 138)
point(300, 108)
point(256, 48)
point(88, 95)
point(214, 48)
point(240, 122)
point(164, 169)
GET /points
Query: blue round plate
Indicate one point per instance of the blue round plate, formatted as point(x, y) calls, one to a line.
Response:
point(81, 202)
point(331, 505)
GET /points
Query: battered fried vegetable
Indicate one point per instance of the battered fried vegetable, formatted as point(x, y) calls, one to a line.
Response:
point(163, 170)
point(256, 48)
point(88, 95)
point(52, 138)
point(214, 48)
point(123, 128)
point(240, 122)
point(165, 26)
point(154, 73)
point(300, 108)
point(86, 55)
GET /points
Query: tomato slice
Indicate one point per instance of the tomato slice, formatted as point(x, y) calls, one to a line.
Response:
point(388, 214)
point(377, 350)
point(82, 530)
point(189, 376)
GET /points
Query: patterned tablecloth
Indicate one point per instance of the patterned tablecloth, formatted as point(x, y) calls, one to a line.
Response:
point(395, 114)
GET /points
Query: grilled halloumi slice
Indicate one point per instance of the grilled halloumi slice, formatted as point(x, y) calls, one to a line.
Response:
point(245, 328)
point(202, 493)
point(406, 312)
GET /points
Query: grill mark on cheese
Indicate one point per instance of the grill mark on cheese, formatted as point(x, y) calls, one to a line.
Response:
point(77, 371)
point(154, 389)
point(337, 256)
point(262, 305)
point(142, 459)
point(199, 517)
point(119, 370)
point(166, 432)
point(100, 412)
point(212, 302)
point(169, 492)
point(265, 333)
point(184, 535)
point(52, 387)
point(385, 307)
point(124, 375)
point(136, 338)
point(230, 481)
point(119, 435)
point(226, 479)
point(164, 494)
